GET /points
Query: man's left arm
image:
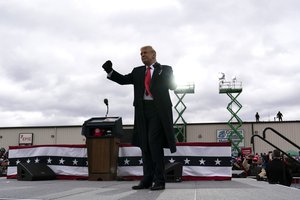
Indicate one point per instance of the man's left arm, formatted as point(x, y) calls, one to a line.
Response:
point(168, 77)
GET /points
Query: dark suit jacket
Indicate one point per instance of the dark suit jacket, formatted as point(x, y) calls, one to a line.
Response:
point(278, 173)
point(162, 80)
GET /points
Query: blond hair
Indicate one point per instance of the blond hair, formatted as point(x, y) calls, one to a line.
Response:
point(149, 47)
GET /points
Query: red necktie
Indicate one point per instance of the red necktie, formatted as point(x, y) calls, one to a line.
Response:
point(147, 81)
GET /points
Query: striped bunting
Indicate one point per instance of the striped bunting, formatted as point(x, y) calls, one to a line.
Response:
point(200, 160)
point(64, 160)
point(207, 161)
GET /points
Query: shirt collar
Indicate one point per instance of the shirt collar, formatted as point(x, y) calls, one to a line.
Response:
point(151, 66)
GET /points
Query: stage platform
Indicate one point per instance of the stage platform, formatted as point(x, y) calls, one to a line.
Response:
point(235, 189)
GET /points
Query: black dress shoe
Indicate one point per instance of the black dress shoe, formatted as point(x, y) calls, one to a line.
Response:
point(140, 186)
point(158, 187)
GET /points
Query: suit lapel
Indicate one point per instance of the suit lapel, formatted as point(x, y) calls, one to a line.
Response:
point(143, 76)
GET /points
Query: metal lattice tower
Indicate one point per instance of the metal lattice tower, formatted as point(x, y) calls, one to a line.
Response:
point(180, 123)
point(233, 89)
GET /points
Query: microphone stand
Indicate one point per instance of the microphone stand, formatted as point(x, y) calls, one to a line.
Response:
point(106, 111)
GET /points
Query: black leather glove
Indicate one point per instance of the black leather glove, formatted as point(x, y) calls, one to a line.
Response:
point(107, 66)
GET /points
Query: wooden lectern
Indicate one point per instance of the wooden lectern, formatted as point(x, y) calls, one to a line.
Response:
point(102, 158)
point(102, 141)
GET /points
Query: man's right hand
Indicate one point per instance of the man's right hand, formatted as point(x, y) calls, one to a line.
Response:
point(107, 66)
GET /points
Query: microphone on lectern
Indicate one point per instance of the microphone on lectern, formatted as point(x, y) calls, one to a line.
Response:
point(106, 103)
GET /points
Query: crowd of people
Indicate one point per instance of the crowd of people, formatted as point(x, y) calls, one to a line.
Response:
point(3, 161)
point(272, 167)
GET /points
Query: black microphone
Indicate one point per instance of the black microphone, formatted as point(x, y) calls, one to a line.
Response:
point(106, 103)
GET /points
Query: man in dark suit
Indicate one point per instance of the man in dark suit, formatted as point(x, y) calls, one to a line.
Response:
point(153, 121)
point(277, 171)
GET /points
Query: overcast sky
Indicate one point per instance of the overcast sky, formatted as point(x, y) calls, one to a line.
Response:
point(51, 52)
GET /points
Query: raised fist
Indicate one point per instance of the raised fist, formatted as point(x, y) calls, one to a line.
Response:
point(107, 66)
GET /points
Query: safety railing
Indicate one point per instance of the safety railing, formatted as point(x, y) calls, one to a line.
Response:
point(283, 152)
point(280, 135)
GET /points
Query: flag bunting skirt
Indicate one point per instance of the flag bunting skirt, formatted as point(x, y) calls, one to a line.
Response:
point(201, 161)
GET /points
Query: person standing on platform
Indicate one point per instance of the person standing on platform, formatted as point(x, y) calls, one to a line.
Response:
point(279, 116)
point(153, 118)
point(257, 117)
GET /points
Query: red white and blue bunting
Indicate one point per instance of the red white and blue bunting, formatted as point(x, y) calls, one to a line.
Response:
point(201, 161)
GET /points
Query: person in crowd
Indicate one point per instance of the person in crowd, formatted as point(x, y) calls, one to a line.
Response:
point(2, 152)
point(238, 167)
point(293, 166)
point(153, 122)
point(251, 165)
point(277, 171)
point(3, 161)
point(262, 176)
point(237, 164)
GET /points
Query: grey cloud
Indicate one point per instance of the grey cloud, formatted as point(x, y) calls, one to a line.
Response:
point(51, 56)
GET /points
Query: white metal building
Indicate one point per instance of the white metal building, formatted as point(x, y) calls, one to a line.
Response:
point(207, 132)
point(196, 132)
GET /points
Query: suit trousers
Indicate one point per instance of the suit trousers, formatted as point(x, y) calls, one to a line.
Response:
point(153, 156)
